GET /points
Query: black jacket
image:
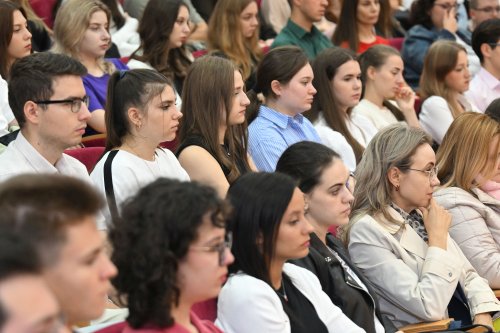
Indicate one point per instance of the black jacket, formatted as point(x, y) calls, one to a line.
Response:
point(344, 292)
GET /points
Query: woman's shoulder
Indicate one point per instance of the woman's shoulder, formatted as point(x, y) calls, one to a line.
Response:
point(241, 287)
point(117, 63)
point(431, 102)
point(452, 196)
point(137, 64)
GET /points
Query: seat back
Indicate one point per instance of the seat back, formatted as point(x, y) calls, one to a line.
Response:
point(88, 155)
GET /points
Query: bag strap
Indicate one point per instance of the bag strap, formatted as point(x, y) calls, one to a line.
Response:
point(108, 184)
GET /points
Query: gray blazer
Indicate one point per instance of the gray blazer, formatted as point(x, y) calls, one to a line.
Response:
point(415, 282)
point(475, 227)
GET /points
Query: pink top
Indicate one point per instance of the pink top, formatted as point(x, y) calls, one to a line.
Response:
point(492, 188)
point(203, 326)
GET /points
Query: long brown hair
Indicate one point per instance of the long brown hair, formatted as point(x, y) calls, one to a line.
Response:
point(203, 107)
point(225, 35)
point(325, 68)
point(7, 10)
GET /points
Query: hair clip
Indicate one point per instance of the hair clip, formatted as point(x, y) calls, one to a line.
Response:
point(122, 73)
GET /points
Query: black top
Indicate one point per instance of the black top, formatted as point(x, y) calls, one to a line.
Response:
point(197, 140)
point(301, 313)
point(343, 290)
point(40, 39)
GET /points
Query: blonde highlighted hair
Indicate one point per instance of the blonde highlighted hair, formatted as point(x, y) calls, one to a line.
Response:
point(225, 35)
point(72, 20)
point(394, 146)
point(440, 60)
point(464, 152)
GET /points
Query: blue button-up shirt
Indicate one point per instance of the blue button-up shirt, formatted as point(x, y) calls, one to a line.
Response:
point(271, 133)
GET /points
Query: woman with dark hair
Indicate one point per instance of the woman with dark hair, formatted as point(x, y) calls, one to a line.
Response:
point(337, 77)
point(172, 251)
point(386, 97)
point(140, 114)
point(284, 77)
point(213, 141)
point(233, 32)
point(445, 78)
point(398, 236)
point(164, 30)
point(388, 25)
point(356, 26)
point(263, 293)
point(432, 20)
point(324, 180)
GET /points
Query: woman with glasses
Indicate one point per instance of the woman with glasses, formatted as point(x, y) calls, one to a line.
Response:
point(469, 166)
point(172, 251)
point(263, 293)
point(140, 114)
point(398, 236)
point(432, 20)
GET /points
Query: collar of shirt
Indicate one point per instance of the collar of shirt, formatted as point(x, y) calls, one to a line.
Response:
point(35, 159)
point(280, 119)
point(491, 81)
point(298, 31)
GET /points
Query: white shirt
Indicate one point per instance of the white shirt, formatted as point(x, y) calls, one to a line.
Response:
point(247, 304)
point(335, 141)
point(483, 89)
point(6, 115)
point(379, 117)
point(130, 173)
point(436, 118)
point(126, 38)
point(21, 157)
point(361, 128)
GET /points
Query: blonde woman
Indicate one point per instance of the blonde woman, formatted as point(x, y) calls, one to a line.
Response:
point(398, 236)
point(444, 79)
point(81, 30)
point(469, 159)
point(233, 32)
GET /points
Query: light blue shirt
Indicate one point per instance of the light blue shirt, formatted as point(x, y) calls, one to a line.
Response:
point(271, 133)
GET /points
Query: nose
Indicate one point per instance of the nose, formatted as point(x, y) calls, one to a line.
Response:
point(187, 29)
point(245, 101)
point(108, 269)
point(308, 228)
point(84, 113)
point(312, 90)
point(229, 258)
point(435, 181)
point(348, 195)
point(105, 34)
point(177, 114)
point(357, 84)
point(27, 35)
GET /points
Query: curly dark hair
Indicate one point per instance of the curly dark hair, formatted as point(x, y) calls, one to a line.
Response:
point(153, 234)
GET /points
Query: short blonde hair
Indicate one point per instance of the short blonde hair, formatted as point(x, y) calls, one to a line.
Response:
point(464, 152)
point(72, 20)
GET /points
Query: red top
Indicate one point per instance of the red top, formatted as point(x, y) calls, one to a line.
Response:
point(203, 326)
point(362, 47)
point(43, 8)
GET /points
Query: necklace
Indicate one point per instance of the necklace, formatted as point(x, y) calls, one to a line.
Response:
point(282, 291)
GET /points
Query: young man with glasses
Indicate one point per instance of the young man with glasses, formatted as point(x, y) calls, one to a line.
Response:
point(485, 87)
point(48, 99)
point(482, 10)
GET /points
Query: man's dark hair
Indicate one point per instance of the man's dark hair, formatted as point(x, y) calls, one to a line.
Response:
point(41, 207)
point(493, 110)
point(32, 78)
point(487, 32)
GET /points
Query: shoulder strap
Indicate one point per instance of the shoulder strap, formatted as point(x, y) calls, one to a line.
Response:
point(108, 184)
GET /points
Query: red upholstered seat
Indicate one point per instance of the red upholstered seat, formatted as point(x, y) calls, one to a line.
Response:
point(88, 156)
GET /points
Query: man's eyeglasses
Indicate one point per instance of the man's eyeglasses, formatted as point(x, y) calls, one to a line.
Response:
point(432, 172)
point(76, 103)
point(220, 248)
point(447, 6)
point(489, 9)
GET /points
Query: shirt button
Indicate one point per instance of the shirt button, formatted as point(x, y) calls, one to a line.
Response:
point(449, 274)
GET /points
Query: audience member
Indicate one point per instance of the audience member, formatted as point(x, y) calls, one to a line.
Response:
point(15, 38)
point(164, 31)
point(356, 27)
point(398, 236)
point(57, 215)
point(300, 30)
point(485, 87)
point(213, 147)
point(482, 10)
point(122, 28)
point(81, 30)
point(233, 33)
point(433, 20)
point(493, 110)
point(388, 25)
point(179, 228)
point(445, 78)
point(276, 13)
point(41, 34)
point(324, 180)
point(269, 228)
point(26, 302)
point(337, 77)
point(7, 119)
point(284, 77)
point(47, 97)
point(386, 97)
point(140, 114)
point(468, 159)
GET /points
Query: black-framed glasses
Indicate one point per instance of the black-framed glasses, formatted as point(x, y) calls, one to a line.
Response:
point(489, 9)
point(220, 248)
point(431, 173)
point(76, 103)
point(447, 6)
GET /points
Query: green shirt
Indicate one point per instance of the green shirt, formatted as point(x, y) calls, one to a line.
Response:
point(311, 42)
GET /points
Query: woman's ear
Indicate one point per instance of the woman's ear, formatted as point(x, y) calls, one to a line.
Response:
point(135, 117)
point(393, 176)
point(276, 87)
point(371, 72)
